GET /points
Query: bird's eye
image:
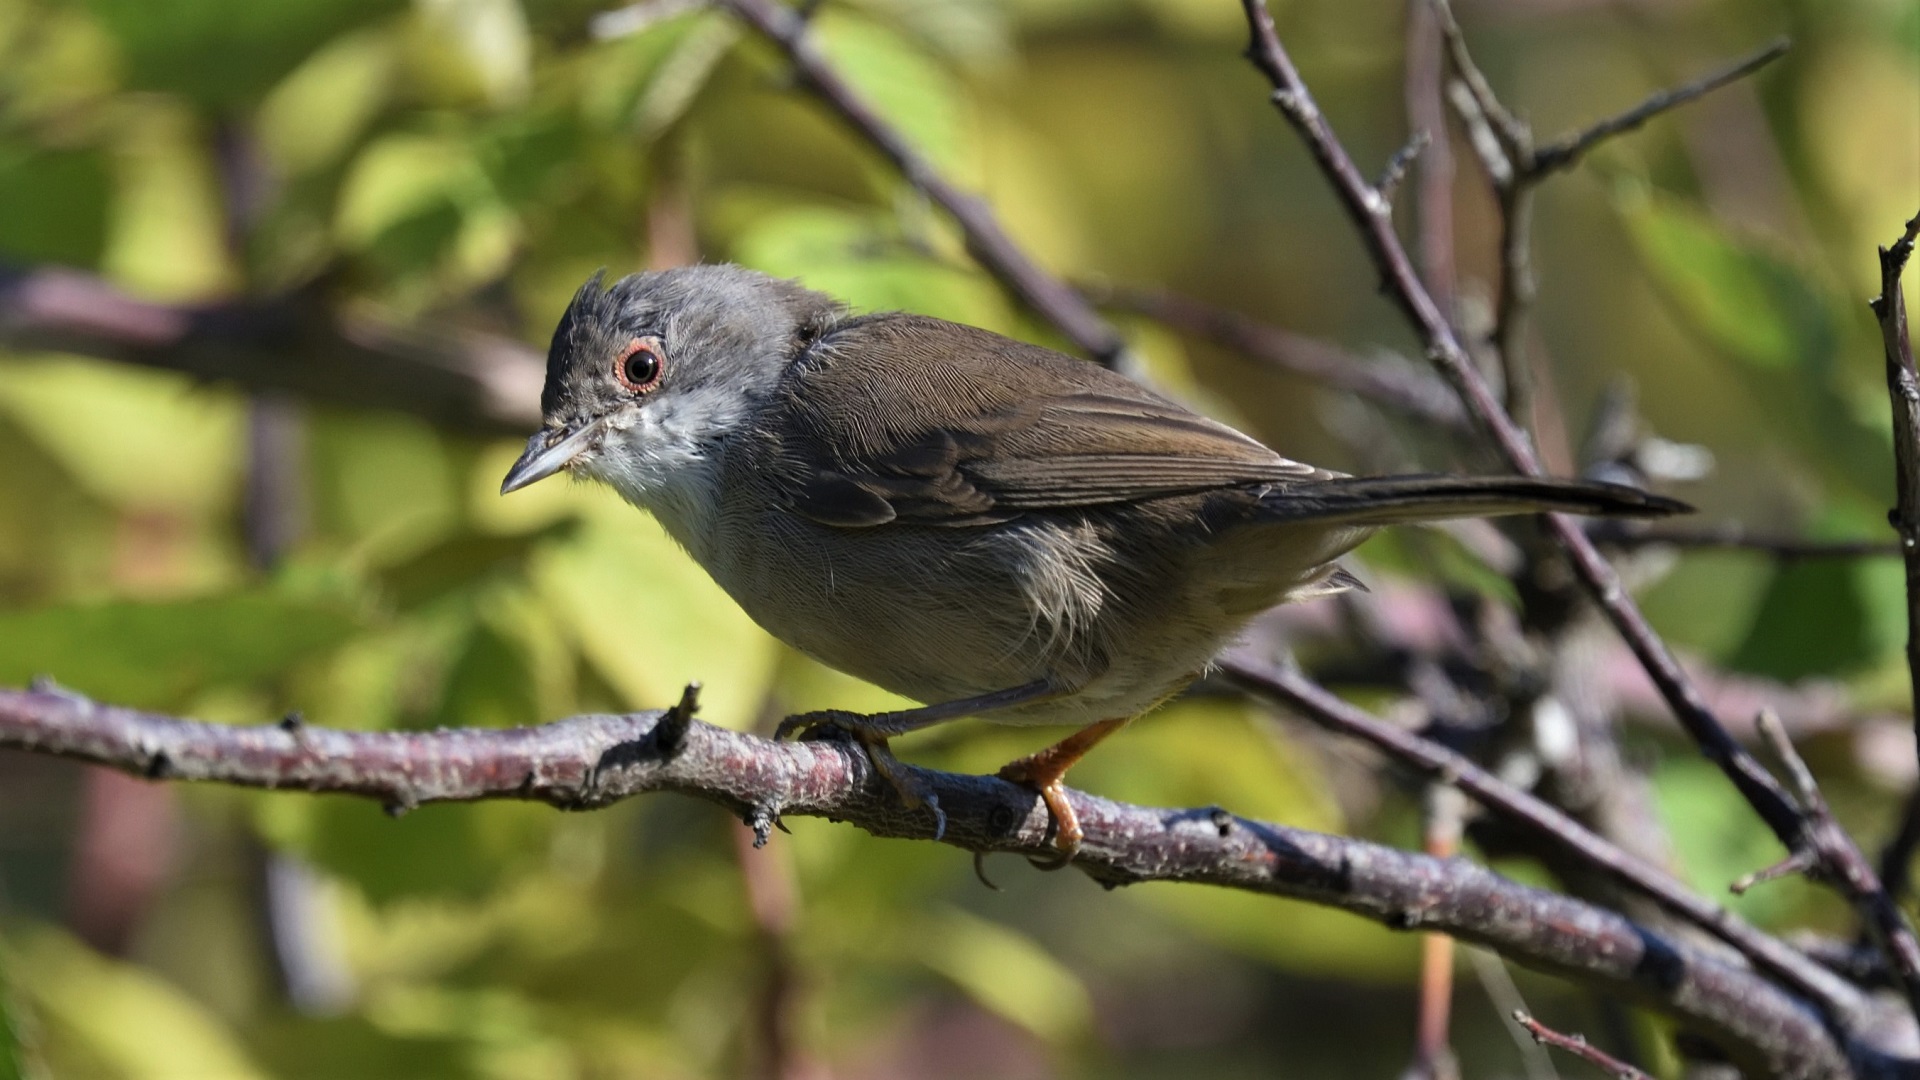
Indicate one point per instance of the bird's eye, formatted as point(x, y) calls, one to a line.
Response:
point(640, 365)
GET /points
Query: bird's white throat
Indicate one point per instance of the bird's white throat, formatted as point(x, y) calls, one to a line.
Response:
point(664, 457)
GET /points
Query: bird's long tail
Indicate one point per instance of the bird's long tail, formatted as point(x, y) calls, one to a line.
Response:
point(1391, 500)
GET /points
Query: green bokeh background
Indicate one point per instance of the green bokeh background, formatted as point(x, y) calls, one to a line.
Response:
point(470, 162)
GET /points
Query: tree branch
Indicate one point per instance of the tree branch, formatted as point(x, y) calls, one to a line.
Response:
point(1903, 390)
point(1733, 536)
point(1403, 287)
point(465, 381)
point(1566, 151)
point(590, 761)
point(1045, 294)
point(1401, 389)
point(1431, 760)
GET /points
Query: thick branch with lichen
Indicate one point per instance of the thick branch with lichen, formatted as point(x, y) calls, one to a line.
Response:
point(589, 761)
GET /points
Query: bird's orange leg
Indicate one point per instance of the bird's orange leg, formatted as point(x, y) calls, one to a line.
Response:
point(1044, 771)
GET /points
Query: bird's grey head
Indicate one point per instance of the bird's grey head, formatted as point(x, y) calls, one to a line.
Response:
point(648, 379)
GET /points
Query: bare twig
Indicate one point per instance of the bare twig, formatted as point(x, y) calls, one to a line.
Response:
point(465, 381)
point(1735, 537)
point(590, 761)
point(1566, 151)
point(1839, 855)
point(1426, 112)
point(1047, 295)
point(1445, 813)
point(1313, 702)
point(1516, 166)
point(1402, 389)
point(1579, 1047)
point(1403, 287)
point(1903, 390)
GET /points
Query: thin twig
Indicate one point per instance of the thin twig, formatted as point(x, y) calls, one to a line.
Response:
point(1505, 146)
point(1047, 295)
point(1425, 93)
point(1403, 287)
point(593, 760)
point(1847, 867)
point(1313, 702)
point(1566, 151)
point(1579, 1047)
point(1903, 390)
point(1516, 166)
point(1839, 855)
point(1444, 812)
point(1733, 536)
point(464, 381)
point(1400, 388)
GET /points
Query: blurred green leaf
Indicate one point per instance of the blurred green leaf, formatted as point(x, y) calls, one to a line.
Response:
point(1829, 617)
point(455, 851)
point(1717, 838)
point(402, 177)
point(860, 258)
point(650, 620)
point(461, 560)
point(384, 481)
point(905, 85)
point(53, 205)
point(1007, 972)
point(1811, 621)
point(1771, 314)
point(319, 1047)
point(316, 114)
point(1709, 601)
point(154, 654)
point(1743, 298)
point(491, 683)
point(137, 439)
point(169, 226)
point(13, 1062)
point(484, 43)
point(221, 52)
point(106, 1019)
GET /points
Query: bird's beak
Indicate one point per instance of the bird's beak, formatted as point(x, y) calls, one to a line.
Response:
point(547, 453)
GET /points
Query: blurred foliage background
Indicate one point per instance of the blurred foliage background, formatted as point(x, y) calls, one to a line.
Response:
point(470, 162)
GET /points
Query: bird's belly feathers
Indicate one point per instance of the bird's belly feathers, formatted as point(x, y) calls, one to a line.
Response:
point(940, 614)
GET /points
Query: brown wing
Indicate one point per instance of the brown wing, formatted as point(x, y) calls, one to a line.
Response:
point(912, 419)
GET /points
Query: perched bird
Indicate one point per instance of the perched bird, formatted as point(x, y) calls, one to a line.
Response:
point(984, 525)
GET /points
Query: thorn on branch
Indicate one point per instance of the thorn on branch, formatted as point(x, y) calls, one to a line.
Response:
point(158, 766)
point(293, 721)
point(670, 733)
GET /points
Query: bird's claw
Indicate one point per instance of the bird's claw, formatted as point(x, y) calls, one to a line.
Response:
point(914, 793)
point(811, 724)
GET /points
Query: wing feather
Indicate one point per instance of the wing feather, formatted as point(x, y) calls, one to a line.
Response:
point(902, 418)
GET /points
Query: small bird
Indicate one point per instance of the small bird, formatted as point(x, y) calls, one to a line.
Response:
point(984, 525)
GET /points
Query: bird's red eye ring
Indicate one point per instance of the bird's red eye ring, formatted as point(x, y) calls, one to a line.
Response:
point(640, 365)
